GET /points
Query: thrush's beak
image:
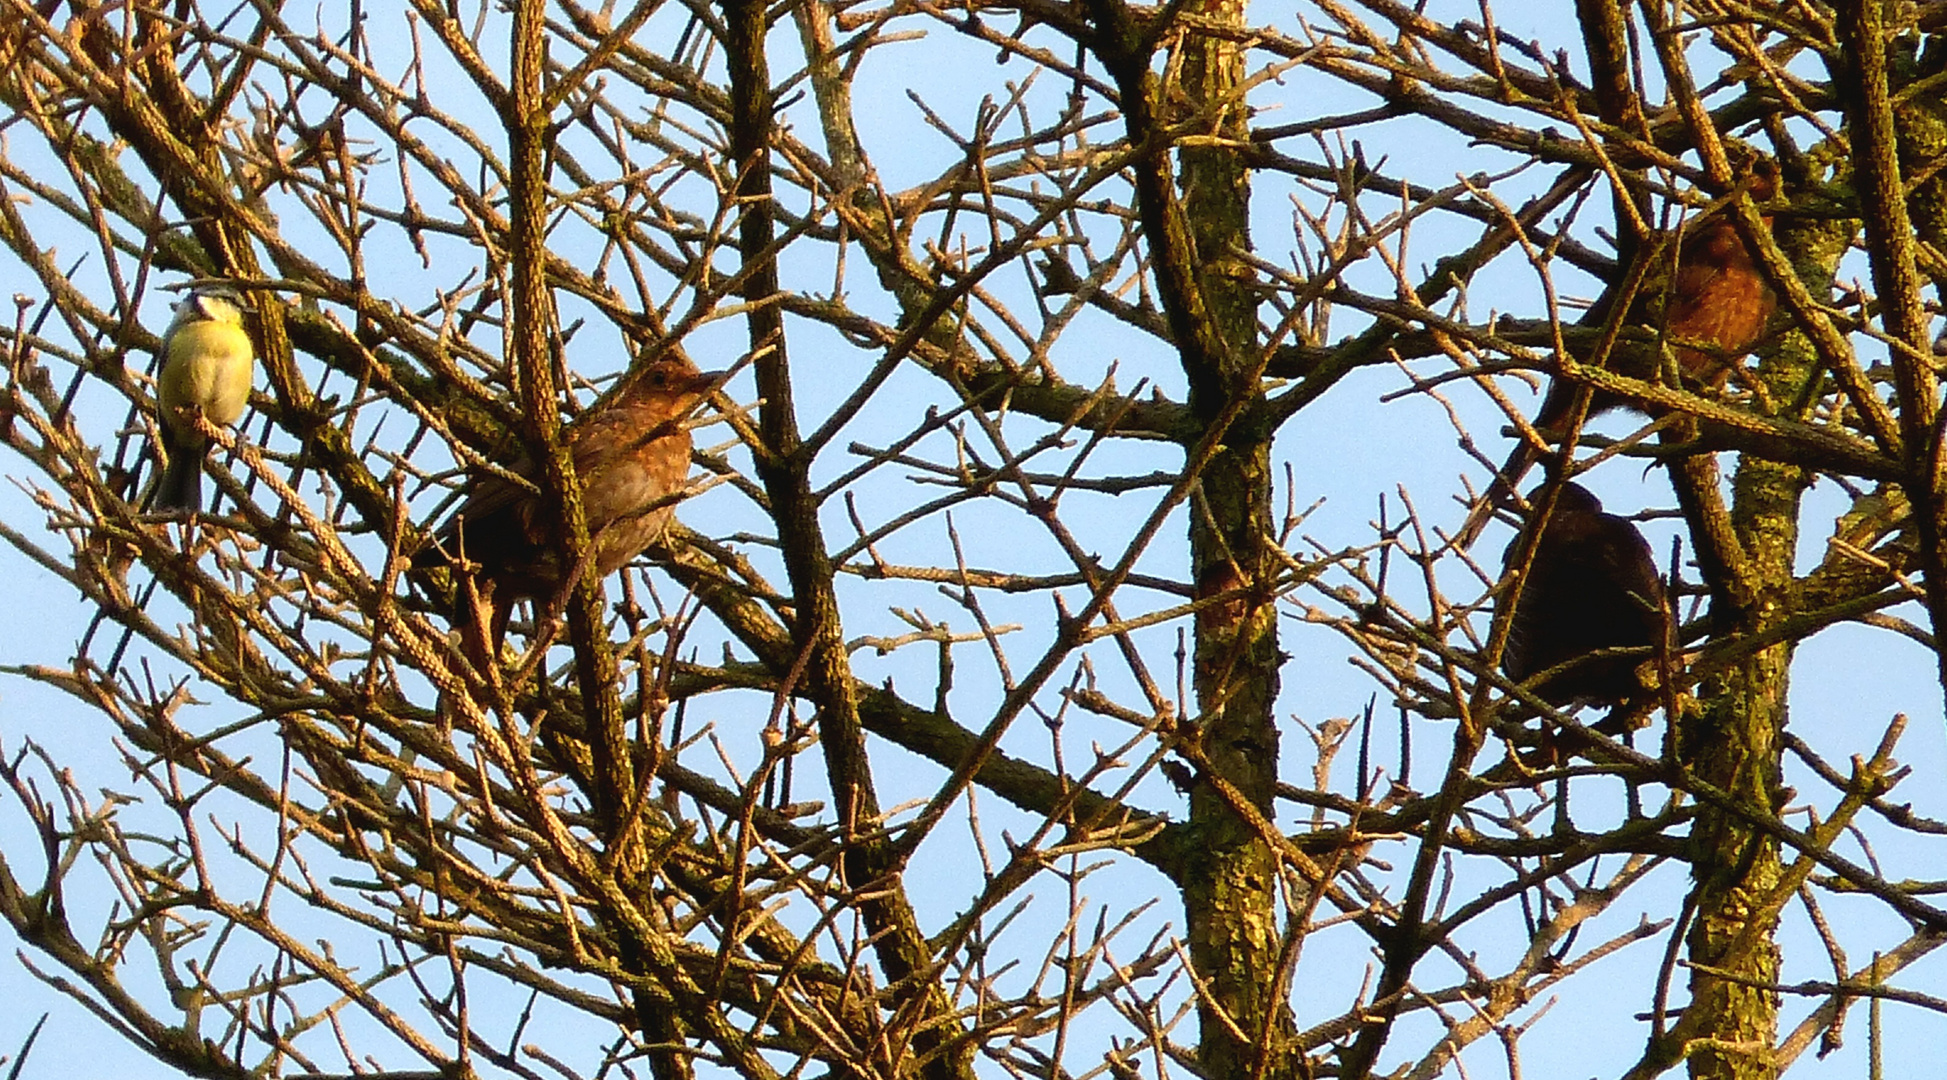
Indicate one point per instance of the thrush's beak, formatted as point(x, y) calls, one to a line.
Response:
point(706, 383)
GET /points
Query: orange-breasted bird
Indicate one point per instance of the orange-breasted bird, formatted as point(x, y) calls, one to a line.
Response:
point(1714, 312)
point(631, 455)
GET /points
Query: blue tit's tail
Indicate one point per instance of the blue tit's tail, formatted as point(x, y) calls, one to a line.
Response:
point(181, 486)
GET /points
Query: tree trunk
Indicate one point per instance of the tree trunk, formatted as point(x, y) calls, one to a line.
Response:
point(1231, 875)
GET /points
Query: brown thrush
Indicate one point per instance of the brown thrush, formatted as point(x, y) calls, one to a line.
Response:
point(632, 456)
point(1714, 312)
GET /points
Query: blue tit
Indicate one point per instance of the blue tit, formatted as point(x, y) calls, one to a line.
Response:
point(208, 364)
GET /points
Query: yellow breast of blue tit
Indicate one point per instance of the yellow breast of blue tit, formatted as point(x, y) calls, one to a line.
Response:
point(209, 362)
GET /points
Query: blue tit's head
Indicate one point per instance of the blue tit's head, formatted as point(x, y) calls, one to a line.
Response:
point(210, 303)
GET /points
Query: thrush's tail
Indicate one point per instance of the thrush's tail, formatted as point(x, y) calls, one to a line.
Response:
point(1499, 493)
point(1550, 421)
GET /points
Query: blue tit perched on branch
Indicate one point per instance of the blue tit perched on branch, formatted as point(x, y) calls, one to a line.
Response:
point(208, 364)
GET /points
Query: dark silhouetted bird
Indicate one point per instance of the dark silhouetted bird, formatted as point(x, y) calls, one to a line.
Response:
point(1713, 314)
point(208, 364)
point(631, 454)
point(1593, 585)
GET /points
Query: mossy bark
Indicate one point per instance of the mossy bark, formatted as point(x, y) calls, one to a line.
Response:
point(1231, 876)
point(1731, 739)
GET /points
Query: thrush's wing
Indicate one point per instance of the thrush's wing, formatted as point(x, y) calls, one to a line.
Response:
point(1631, 567)
point(494, 526)
point(498, 524)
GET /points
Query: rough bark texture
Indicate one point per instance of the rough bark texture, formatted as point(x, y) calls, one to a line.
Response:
point(1231, 879)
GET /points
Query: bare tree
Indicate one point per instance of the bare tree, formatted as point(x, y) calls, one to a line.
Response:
point(945, 731)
